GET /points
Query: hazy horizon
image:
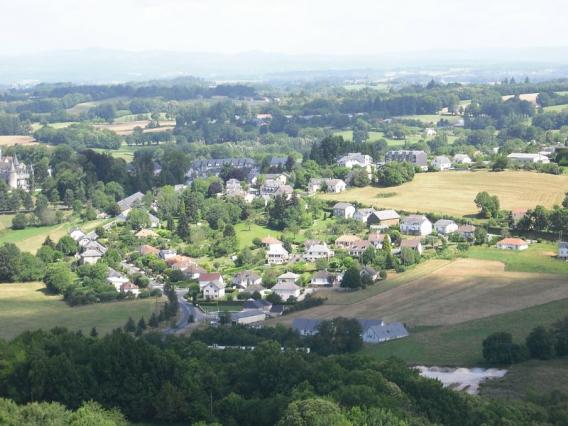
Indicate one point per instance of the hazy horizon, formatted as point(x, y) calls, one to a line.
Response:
point(362, 27)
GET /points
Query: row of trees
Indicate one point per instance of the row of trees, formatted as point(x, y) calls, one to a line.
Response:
point(541, 343)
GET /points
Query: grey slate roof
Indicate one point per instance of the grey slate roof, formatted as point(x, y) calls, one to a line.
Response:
point(247, 314)
point(393, 330)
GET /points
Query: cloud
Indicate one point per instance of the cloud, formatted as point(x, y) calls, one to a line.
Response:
point(290, 26)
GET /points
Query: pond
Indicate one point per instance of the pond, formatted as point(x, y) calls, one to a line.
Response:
point(462, 379)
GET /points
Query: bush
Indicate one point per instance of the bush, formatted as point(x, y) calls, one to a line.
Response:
point(20, 221)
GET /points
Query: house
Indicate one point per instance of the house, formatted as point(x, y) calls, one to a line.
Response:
point(214, 290)
point(346, 240)
point(306, 326)
point(259, 305)
point(128, 287)
point(212, 167)
point(517, 215)
point(467, 231)
point(369, 272)
point(462, 159)
point(441, 162)
point(270, 241)
point(318, 251)
point(154, 221)
point(309, 243)
point(76, 234)
point(116, 279)
point(445, 226)
point(130, 202)
point(244, 279)
point(248, 317)
point(430, 132)
point(383, 218)
point(278, 178)
point(416, 225)
point(146, 250)
point(563, 250)
point(358, 248)
point(258, 288)
point(286, 290)
point(146, 233)
point(285, 191)
point(278, 162)
point(233, 188)
point(417, 158)
point(413, 243)
point(15, 174)
point(343, 210)
point(94, 245)
point(91, 256)
point(330, 185)
point(167, 253)
point(323, 279)
point(362, 215)
point(277, 254)
point(376, 239)
point(210, 277)
point(384, 332)
point(373, 331)
point(355, 159)
point(287, 278)
point(193, 271)
point(522, 158)
point(516, 244)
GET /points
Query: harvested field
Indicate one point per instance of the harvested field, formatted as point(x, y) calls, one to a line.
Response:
point(127, 128)
point(17, 140)
point(453, 192)
point(529, 97)
point(455, 292)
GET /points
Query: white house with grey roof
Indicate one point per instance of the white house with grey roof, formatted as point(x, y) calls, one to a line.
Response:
point(416, 225)
point(445, 226)
point(355, 159)
point(130, 202)
point(526, 158)
point(441, 163)
point(343, 210)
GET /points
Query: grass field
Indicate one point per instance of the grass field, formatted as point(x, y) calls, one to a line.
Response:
point(376, 136)
point(460, 344)
point(245, 236)
point(31, 239)
point(556, 108)
point(17, 140)
point(532, 377)
point(453, 192)
point(431, 119)
point(127, 127)
point(446, 293)
point(539, 258)
point(26, 307)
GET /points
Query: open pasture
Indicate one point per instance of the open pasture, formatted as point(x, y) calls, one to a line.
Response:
point(453, 192)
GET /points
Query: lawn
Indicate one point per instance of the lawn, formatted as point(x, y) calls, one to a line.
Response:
point(556, 108)
point(26, 307)
point(532, 377)
point(431, 118)
point(31, 238)
point(376, 136)
point(460, 344)
point(537, 258)
point(246, 235)
point(453, 192)
point(6, 221)
point(17, 140)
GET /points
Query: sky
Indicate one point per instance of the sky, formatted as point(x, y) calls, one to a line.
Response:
point(331, 27)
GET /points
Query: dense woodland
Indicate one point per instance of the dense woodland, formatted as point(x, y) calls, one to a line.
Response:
point(153, 379)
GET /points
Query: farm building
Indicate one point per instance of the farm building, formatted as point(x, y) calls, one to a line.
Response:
point(383, 218)
point(418, 158)
point(467, 231)
point(462, 159)
point(516, 244)
point(384, 332)
point(248, 317)
point(524, 158)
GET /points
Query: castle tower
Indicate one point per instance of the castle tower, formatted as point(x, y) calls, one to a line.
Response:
point(13, 177)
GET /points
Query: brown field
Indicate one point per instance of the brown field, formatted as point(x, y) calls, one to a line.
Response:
point(444, 293)
point(453, 192)
point(17, 140)
point(127, 128)
point(529, 97)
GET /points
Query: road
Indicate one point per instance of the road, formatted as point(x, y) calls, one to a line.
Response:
point(187, 310)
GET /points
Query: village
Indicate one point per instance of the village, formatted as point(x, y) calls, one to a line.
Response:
point(292, 274)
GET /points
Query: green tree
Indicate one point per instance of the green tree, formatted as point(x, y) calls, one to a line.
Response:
point(138, 219)
point(488, 204)
point(130, 326)
point(67, 245)
point(498, 348)
point(540, 343)
point(20, 221)
point(58, 278)
point(352, 278)
point(313, 412)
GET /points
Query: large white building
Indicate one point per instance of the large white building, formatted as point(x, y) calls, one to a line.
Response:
point(355, 159)
point(416, 225)
point(524, 158)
